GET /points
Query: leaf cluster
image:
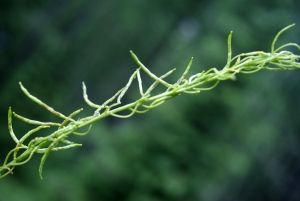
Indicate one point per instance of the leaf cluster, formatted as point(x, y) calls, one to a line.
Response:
point(275, 60)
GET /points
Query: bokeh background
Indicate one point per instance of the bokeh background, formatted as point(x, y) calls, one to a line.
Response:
point(240, 141)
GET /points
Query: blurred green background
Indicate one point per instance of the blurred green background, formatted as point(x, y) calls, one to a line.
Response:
point(240, 141)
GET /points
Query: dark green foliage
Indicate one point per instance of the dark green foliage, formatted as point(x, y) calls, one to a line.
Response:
point(239, 141)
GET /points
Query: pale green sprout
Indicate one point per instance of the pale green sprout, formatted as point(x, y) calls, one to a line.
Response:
point(243, 63)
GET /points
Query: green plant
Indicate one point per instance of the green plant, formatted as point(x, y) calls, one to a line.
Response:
point(250, 62)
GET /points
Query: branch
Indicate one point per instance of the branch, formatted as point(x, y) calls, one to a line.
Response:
point(243, 63)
